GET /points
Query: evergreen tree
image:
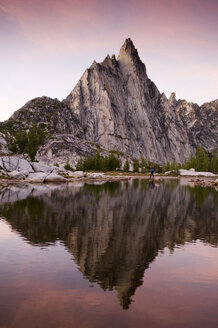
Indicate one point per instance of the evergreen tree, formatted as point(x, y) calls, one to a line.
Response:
point(213, 165)
point(143, 164)
point(36, 137)
point(126, 166)
point(79, 165)
point(136, 165)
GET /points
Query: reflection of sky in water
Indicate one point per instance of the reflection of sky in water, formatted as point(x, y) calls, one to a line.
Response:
point(41, 285)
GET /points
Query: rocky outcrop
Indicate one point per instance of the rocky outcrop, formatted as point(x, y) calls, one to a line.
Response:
point(39, 167)
point(3, 145)
point(51, 114)
point(14, 163)
point(64, 148)
point(20, 169)
point(194, 173)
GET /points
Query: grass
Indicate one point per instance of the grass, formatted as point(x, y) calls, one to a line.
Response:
point(4, 177)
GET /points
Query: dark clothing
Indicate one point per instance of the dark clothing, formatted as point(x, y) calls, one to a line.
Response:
point(152, 172)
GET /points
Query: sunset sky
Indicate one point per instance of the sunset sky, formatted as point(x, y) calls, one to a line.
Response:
point(47, 44)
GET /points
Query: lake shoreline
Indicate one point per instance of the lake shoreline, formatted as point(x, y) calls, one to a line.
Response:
point(190, 180)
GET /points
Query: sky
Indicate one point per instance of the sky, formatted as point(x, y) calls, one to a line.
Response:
point(46, 45)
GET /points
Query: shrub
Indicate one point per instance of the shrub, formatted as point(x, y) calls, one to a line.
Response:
point(67, 166)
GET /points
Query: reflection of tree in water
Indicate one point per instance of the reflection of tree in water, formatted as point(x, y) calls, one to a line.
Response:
point(115, 230)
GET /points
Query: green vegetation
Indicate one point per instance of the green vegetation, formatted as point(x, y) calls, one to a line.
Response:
point(135, 183)
point(68, 167)
point(99, 163)
point(27, 142)
point(116, 152)
point(199, 194)
point(95, 144)
point(136, 165)
point(126, 166)
point(111, 188)
point(7, 127)
point(173, 166)
point(146, 164)
point(203, 161)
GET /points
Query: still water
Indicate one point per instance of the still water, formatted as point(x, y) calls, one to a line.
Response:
point(128, 254)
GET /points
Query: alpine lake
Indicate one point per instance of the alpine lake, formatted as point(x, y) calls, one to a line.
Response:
point(112, 255)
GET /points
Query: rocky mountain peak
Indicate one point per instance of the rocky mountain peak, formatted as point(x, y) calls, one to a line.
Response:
point(129, 56)
point(128, 48)
point(172, 99)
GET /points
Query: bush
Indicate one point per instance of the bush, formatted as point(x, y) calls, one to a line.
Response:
point(67, 166)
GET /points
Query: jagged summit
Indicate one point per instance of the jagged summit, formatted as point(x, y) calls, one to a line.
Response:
point(128, 48)
point(127, 54)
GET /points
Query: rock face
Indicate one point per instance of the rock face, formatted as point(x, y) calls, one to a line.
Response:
point(64, 148)
point(116, 106)
point(39, 167)
point(119, 107)
point(3, 145)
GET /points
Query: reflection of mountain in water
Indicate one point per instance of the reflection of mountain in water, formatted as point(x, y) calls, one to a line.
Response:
point(114, 231)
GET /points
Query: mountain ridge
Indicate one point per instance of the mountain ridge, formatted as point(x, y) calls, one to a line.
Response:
point(116, 106)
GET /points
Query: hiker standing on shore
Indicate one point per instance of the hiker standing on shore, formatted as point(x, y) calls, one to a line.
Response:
point(152, 172)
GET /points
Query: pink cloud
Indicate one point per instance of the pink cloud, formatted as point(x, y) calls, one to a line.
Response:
point(75, 26)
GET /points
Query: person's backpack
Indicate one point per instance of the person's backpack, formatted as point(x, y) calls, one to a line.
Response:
point(152, 170)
